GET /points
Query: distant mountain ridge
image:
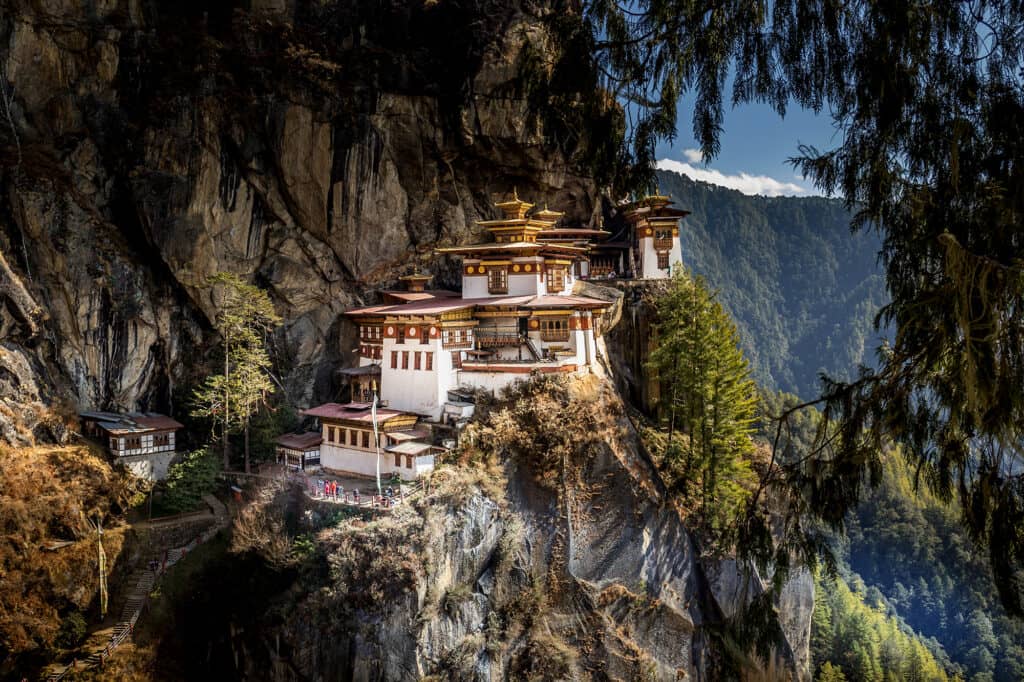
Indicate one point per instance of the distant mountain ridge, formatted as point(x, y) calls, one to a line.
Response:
point(802, 288)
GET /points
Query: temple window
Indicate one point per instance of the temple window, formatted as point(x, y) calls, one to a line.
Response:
point(429, 361)
point(405, 359)
point(416, 360)
point(400, 334)
point(497, 280)
point(408, 461)
point(663, 260)
point(398, 460)
point(457, 359)
point(556, 329)
point(366, 439)
point(394, 359)
point(555, 279)
point(424, 334)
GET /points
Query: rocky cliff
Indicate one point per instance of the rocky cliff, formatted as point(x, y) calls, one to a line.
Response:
point(550, 552)
point(317, 148)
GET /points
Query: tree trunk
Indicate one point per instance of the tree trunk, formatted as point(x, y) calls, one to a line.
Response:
point(247, 445)
point(227, 462)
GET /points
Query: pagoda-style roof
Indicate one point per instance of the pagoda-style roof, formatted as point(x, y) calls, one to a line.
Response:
point(651, 206)
point(514, 207)
point(425, 295)
point(547, 215)
point(511, 248)
point(572, 231)
point(433, 306)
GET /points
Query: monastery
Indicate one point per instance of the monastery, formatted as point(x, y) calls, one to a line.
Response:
point(517, 316)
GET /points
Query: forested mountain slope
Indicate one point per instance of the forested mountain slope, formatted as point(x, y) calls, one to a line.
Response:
point(802, 289)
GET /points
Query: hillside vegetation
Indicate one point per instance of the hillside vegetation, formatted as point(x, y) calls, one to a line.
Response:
point(802, 289)
point(912, 548)
point(48, 556)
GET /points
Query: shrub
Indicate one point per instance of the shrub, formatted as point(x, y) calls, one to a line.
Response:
point(188, 480)
point(72, 631)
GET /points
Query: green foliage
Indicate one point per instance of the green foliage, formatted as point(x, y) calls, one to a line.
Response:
point(801, 288)
point(73, 629)
point(830, 673)
point(912, 546)
point(231, 398)
point(267, 424)
point(927, 102)
point(188, 480)
point(708, 401)
point(854, 641)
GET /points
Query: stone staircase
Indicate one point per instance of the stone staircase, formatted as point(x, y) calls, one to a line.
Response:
point(138, 596)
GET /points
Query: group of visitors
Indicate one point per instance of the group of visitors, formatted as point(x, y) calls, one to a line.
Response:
point(330, 490)
point(326, 489)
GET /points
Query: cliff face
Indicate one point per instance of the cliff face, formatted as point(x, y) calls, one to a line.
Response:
point(544, 556)
point(317, 148)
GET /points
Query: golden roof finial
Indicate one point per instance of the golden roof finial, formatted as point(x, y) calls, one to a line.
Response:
point(515, 193)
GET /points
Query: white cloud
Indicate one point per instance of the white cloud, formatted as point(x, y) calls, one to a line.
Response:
point(744, 182)
point(693, 155)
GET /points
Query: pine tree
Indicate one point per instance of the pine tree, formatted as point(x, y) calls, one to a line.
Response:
point(232, 398)
point(707, 397)
point(830, 673)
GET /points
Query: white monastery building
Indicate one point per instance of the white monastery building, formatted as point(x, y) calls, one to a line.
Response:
point(516, 316)
point(349, 446)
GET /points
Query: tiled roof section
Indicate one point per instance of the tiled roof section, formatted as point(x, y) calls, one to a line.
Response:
point(409, 448)
point(300, 441)
point(365, 370)
point(421, 295)
point(566, 302)
point(435, 307)
point(431, 306)
point(357, 412)
point(412, 434)
point(572, 230)
point(135, 422)
point(514, 246)
point(158, 422)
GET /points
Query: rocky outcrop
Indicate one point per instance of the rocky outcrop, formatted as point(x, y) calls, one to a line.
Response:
point(319, 149)
point(564, 568)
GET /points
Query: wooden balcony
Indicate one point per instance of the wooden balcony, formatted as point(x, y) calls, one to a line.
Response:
point(497, 336)
point(663, 243)
point(554, 334)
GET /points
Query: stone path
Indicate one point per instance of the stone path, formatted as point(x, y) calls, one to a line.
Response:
point(137, 597)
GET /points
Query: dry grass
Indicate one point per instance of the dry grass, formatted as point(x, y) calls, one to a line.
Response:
point(127, 663)
point(540, 424)
point(45, 493)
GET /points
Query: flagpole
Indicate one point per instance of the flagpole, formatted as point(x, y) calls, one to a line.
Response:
point(376, 435)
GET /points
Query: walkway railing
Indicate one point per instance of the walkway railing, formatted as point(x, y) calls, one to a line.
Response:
point(137, 601)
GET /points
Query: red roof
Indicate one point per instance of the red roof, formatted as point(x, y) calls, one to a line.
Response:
point(566, 302)
point(437, 306)
point(350, 412)
point(431, 306)
point(158, 422)
point(300, 441)
point(421, 295)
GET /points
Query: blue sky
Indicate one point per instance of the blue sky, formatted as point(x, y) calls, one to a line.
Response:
point(755, 144)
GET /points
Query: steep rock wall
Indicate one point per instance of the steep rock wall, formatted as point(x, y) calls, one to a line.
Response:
point(316, 148)
point(499, 575)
